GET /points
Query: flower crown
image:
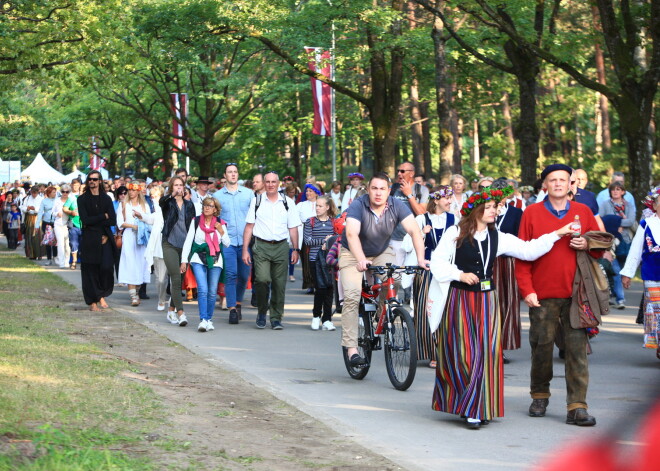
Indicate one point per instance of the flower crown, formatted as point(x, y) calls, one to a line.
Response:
point(135, 186)
point(442, 192)
point(651, 198)
point(356, 175)
point(484, 196)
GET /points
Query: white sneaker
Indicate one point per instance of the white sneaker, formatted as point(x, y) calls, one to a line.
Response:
point(316, 323)
point(202, 326)
point(171, 316)
point(328, 325)
point(161, 307)
point(183, 320)
point(209, 326)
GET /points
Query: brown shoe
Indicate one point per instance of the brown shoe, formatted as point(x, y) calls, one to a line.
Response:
point(580, 417)
point(538, 407)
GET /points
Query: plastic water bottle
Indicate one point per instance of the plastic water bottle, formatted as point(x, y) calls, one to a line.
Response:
point(576, 227)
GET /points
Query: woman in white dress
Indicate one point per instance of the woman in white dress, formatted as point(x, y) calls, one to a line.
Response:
point(154, 252)
point(60, 227)
point(133, 217)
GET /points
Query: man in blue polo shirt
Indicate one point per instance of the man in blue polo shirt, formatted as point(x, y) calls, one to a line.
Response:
point(235, 201)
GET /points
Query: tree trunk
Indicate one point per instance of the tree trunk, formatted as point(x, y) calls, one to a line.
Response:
point(508, 129)
point(475, 154)
point(526, 69)
point(603, 116)
point(443, 97)
point(416, 132)
point(426, 141)
point(58, 157)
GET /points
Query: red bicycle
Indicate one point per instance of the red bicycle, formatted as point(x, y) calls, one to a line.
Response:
point(390, 322)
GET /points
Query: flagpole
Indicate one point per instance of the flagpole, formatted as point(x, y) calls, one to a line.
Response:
point(333, 116)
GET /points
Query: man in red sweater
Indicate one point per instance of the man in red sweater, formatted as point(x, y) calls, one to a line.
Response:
point(546, 285)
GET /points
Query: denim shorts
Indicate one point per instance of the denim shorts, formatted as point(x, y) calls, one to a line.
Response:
point(74, 238)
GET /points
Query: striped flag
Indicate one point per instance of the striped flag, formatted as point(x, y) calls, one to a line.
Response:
point(320, 61)
point(96, 162)
point(179, 103)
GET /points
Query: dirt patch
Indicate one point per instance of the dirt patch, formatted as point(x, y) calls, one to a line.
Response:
point(215, 419)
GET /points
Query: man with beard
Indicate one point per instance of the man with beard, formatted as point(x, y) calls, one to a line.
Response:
point(97, 215)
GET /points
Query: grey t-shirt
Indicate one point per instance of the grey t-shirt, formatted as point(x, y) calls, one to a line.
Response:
point(375, 232)
point(179, 231)
point(421, 194)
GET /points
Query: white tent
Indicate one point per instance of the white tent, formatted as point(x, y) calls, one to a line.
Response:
point(39, 171)
point(83, 175)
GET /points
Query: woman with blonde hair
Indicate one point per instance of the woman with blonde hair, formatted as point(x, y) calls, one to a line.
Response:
point(154, 252)
point(135, 219)
point(202, 249)
point(459, 186)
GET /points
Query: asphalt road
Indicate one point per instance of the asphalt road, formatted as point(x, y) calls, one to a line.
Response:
point(305, 368)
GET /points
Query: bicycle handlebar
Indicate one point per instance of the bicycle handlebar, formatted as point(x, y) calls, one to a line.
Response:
point(391, 269)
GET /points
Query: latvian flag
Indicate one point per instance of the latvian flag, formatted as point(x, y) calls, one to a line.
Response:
point(179, 103)
point(95, 159)
point(320, 62)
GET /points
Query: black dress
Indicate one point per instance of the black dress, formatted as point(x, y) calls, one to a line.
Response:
point(97, 268)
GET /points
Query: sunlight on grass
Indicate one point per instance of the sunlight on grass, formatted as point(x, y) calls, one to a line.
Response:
point(20, 374)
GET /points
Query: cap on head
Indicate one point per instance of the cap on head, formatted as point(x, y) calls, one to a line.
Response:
point(555, 167)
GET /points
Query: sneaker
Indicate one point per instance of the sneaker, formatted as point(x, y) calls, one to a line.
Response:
point(183, 320)
point(233, 316)
point(209, 326)
point(171, 316)
point(224, 303)
point(316, 323)
point(292, 278)
point(261, 321)
point(240, 314)
point(276, 325)
point(328, 325)
point(202, 326)
point(161, 307)
point(620, 305)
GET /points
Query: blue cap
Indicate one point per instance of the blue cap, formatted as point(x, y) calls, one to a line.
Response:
point(553, 168)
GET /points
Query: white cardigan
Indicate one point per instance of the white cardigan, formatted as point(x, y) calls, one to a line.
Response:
point(199, 237)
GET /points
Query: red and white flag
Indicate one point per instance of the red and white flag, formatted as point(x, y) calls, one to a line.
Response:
point(320, 61)
point(179, 103)
point(96, 162)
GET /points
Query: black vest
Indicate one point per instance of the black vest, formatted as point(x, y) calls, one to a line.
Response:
point(468, 260)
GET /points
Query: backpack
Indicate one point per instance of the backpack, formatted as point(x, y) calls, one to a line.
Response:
point(258, 202)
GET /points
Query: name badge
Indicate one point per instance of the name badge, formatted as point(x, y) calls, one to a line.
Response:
point(485, 285)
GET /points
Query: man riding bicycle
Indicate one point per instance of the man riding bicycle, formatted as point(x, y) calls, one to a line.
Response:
point(370, 221)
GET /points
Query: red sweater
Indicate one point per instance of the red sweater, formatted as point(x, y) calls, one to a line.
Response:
point(552, 275)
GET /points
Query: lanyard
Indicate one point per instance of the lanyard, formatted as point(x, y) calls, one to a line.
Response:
point(485, 262)
point(503, 215)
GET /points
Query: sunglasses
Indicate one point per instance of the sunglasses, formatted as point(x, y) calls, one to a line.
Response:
point(66, 192)
point(272, 171)
point(229, 164)
point(403, 171)
point(93, 179)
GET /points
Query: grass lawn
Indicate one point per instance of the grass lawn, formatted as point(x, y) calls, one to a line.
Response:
point(63, 405)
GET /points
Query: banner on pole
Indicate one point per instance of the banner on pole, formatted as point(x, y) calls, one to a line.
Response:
point(320, 61)
point(96, 162)
point(179, 103)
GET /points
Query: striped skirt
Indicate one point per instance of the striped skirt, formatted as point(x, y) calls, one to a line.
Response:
point(427, 342)
point(652, 314)
point(33, 247)
point(508, 296)
point(470, 374)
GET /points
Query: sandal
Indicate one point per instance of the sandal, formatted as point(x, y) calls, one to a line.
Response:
point(433, 364)
point(72, 266)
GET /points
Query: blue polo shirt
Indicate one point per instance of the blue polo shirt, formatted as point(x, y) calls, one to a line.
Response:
point(235, 206)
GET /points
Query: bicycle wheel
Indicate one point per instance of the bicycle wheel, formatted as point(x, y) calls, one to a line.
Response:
point(364, 348)
point(401, 349)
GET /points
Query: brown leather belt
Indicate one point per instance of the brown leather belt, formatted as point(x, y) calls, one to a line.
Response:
point(272, 242)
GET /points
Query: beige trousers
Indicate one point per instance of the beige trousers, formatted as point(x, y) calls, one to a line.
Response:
point(351, 281)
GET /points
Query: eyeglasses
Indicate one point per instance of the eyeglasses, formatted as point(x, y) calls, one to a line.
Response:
point(93, 179)
point(209, 206)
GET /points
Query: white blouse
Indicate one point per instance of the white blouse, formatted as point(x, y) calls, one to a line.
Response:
point(637, 246)
point(199, 237)
point(444, 270)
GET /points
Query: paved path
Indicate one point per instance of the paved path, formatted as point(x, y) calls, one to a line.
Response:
point(305, 368)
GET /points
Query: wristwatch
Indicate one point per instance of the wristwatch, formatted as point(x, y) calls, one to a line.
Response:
point(410, 196)
point(296, 250)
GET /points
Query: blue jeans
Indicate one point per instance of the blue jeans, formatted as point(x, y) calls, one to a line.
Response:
point(74, 238)
point(618, 285)
point(236, 276)
point(207, 288)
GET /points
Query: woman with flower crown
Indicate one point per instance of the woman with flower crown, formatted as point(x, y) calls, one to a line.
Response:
point(432, 224)
point(645, 249)
point(462, 301)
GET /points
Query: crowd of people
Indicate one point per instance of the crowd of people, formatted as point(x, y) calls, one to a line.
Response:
point(484, 245)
